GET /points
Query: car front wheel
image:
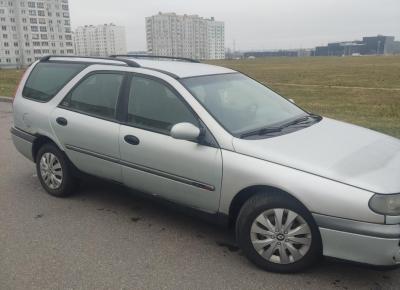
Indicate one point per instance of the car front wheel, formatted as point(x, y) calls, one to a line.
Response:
point(278, 234)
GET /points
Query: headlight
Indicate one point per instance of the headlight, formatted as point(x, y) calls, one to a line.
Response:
point(386, 204)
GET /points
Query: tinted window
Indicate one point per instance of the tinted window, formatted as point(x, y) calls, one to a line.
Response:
point(153, 106)
point(47, 79)
point(96, 95)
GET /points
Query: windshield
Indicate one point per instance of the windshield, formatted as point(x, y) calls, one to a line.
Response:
point(240, 104)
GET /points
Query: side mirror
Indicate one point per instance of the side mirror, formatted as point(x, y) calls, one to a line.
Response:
point(185, 131)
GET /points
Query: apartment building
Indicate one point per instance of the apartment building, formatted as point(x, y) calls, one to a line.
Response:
point(169, 34)
point(31, 29)
point(100, 40)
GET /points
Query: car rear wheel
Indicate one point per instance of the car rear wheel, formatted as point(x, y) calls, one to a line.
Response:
point(278, 234)
point(54, 171)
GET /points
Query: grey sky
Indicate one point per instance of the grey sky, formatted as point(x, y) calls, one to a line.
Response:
point(254, 24)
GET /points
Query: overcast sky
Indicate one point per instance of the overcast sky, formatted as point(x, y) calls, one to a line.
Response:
point(254, 24)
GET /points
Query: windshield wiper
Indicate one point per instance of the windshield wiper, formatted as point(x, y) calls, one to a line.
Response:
point(301, 120)
point(262, 131)
point(268, 130)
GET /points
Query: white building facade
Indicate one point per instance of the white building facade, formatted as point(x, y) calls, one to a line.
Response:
point(100, 40)
point(188, 36)
point(30, 29)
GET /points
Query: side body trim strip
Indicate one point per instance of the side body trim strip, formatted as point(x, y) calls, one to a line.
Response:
point(153, 171)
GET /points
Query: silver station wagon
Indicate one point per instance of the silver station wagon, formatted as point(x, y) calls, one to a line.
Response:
point(296, 186)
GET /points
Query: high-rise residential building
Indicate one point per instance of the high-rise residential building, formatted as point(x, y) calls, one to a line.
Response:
point(100, 40)
point(30, 29)
point(189, 36)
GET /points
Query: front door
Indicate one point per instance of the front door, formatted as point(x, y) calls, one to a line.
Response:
point(152, 161)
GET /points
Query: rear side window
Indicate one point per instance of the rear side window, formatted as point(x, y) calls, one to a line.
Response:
point(47, 79)
point(97, 95)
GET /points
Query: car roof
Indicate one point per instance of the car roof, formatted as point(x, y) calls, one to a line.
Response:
point(182, 69)
point(177, 68)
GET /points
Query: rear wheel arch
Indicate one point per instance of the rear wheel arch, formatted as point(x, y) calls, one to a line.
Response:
point(39, 142)
point(245, 194)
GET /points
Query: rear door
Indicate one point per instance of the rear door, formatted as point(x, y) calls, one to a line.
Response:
point(86, 124)
point(183, 171)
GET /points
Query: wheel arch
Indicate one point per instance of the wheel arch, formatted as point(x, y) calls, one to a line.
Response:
point(39, 142)
point(242, 196)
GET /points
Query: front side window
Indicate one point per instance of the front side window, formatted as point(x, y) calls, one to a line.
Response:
point(241, 104)
point(96, 95)
point(153, 106)
point(48, 78)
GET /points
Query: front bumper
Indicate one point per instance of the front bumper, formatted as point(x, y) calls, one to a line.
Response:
point(367, 243)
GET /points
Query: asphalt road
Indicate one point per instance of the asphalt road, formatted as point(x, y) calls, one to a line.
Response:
point(108, 237)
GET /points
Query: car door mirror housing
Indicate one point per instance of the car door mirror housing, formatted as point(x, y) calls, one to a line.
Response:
point(185, 131)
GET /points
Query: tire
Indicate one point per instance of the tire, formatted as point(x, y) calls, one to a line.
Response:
point(285, 251)
point(63, 183)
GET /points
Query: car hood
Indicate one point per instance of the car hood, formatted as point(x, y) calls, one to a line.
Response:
point(336, 150)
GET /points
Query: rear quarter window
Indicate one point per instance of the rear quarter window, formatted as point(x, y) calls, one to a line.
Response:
point(47, 79)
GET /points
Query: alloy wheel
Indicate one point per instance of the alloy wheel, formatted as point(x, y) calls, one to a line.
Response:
point(281, 236)
point(51, 171)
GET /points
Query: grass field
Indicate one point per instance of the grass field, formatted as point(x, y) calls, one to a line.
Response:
point(359, 90)
point(8, 81)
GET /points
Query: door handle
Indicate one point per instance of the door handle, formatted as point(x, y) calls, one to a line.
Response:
point(133, 140)
point(62, 121)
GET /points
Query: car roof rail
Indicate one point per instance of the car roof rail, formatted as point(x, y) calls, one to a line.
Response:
point(128, 62)
point(155, 57)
